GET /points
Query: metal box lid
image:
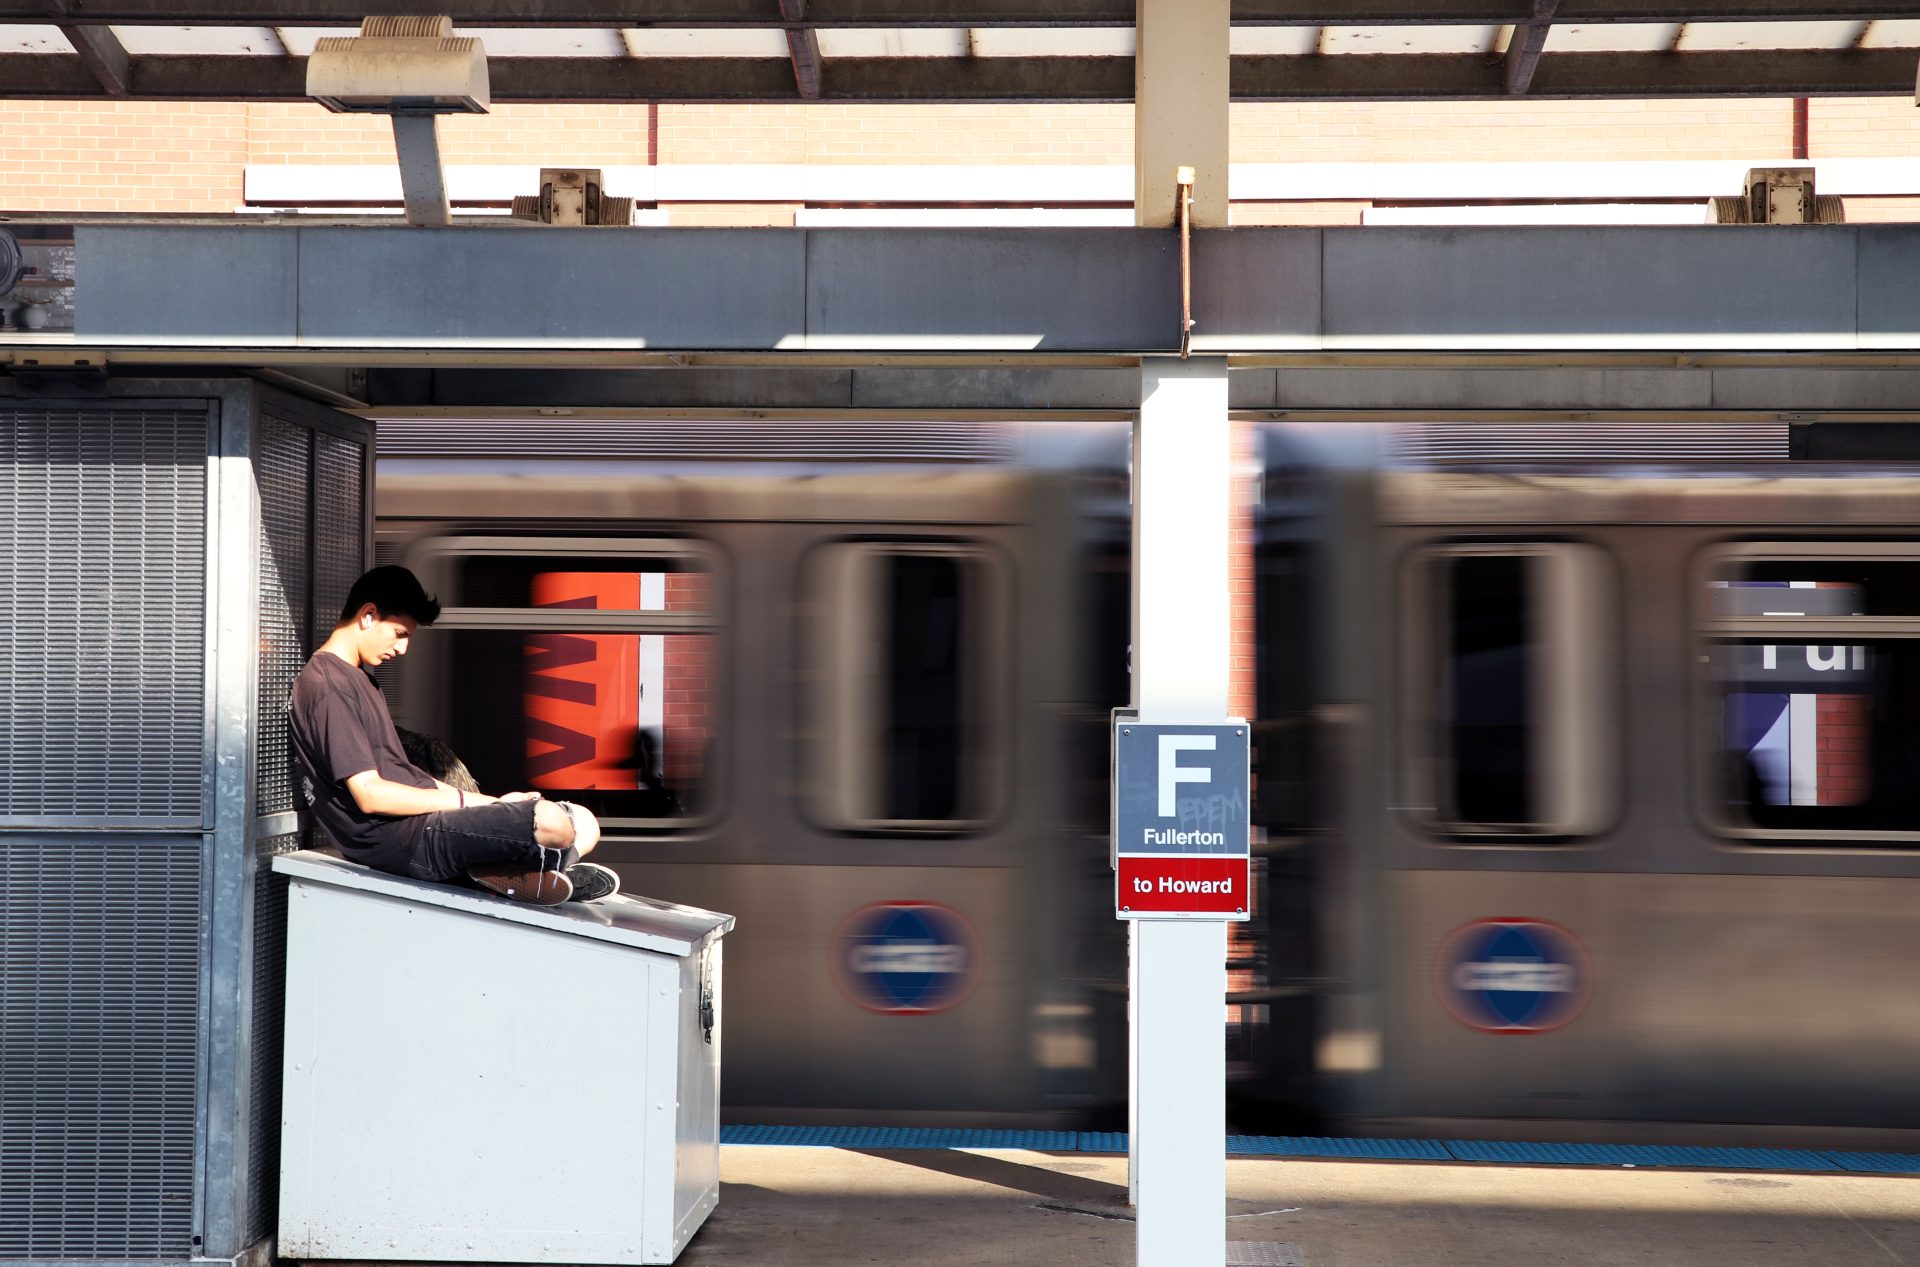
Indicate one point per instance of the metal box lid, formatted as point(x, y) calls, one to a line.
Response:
point(627, 920)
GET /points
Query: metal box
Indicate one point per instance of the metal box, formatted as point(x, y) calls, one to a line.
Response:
point(474, 1080)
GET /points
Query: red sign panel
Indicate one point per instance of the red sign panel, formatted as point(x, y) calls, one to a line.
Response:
point(1197, 885)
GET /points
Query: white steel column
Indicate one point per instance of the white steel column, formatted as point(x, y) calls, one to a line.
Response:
point(1180, 69)
point(1182, 467)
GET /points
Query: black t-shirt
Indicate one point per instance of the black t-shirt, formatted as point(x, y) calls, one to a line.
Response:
point(341, 727)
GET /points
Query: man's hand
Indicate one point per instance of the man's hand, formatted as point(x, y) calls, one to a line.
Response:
point(521, 796)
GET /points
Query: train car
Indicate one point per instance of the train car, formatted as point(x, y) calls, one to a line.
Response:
point(1589, 758)
point(832, 679)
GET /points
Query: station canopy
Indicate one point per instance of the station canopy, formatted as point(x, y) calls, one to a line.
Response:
point(588, 51)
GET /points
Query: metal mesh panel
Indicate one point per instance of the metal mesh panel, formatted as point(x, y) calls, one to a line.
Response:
point(282, 467)
point(339, 527)
point(99, 1000)
point(102, 594)
point(269, 1001)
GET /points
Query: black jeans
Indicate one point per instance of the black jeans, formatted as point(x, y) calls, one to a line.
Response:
point(455, 841)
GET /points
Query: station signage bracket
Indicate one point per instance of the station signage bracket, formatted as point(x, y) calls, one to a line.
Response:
point(1180, 818)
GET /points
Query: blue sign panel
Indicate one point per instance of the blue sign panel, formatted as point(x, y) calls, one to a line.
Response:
point(1180, 790)
point(906, 958)
point(1513, 975)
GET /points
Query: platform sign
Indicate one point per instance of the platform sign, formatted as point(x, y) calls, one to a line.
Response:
point(1513, 975)
point(1180, 819)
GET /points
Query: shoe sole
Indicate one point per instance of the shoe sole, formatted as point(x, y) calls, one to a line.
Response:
point(600, 875)
point(537, 888)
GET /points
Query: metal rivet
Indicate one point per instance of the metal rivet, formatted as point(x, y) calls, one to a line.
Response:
point(1126, 730)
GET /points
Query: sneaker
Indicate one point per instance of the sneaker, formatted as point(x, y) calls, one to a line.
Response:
point(541, 888)
point(591, 881)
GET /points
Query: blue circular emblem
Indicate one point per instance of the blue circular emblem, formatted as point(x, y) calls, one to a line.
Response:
point(906, 958)
point(1513, 975)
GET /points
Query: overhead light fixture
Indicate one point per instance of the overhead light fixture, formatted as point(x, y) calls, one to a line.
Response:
point(414, 69)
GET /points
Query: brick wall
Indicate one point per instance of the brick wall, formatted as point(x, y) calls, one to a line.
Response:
point(127, 156)
point(1844, 742)
point(173, 157)
point(692, 685)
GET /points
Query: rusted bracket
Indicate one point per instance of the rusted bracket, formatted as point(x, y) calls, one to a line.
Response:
point(1183, 198)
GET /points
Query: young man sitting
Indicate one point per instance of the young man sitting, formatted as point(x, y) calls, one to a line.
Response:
point(387, 813)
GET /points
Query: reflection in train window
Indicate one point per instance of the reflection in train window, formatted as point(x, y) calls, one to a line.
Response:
point(1512, 704)
point(907, 660)
point(1817, 733)
point(1796, 726)
point(583, 673)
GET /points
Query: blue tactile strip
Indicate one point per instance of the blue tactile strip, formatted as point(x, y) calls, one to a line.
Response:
point(1878, 1163)
point(907, 1137)
point(1316, 1146)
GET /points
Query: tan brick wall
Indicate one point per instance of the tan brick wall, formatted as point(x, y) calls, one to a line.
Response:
point(172, 157)
point(130, 156)
point(1863, 127)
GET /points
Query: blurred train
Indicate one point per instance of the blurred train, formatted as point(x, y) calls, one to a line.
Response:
point(1586, 791)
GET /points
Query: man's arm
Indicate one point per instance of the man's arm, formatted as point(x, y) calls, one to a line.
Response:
point(375, 795)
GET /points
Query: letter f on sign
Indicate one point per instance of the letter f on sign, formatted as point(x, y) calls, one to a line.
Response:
point(1172, 773)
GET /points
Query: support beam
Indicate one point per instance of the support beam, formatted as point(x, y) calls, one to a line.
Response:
point(98, 48)
point(1381, 77)
point(803, 46)
point(1177, 975)
point(416, 143)
point(1182, 71)
point(946, 13)
point(1524, 49)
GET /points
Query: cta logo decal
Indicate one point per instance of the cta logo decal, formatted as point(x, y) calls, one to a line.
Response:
point(1513, 975)
point(906, 958)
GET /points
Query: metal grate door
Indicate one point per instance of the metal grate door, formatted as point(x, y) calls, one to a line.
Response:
point(99, 1003)
point(102, 593)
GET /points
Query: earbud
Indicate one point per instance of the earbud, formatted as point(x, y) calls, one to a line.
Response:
point(366, 622)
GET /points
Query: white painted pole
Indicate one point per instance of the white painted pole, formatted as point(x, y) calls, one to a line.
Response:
point(1182, 471)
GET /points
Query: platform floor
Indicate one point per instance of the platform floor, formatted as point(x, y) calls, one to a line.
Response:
point(834, 1207)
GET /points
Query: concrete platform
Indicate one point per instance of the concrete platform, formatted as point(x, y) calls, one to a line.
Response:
point(802, 1207)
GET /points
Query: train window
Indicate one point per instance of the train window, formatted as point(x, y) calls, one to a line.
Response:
point(907, 658)
point(1512, 699)
point(1813, 666)
point(586, 669)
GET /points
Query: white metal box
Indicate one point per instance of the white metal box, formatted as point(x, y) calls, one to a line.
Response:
point(474, 1080)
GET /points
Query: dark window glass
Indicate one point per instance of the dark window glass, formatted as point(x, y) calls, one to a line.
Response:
point(924, 738)
point(1107, 680)
point(1818, 736)
point(1282, 746)
point(622, 723)
point(1488, 707)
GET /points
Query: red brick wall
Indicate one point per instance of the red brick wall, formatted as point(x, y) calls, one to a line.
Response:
point(1844, 730)
point(691, 688)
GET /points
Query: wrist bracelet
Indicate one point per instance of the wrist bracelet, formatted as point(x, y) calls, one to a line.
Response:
point(462, 794)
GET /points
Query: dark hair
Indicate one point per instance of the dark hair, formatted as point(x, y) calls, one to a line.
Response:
point(393, 591)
